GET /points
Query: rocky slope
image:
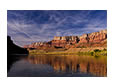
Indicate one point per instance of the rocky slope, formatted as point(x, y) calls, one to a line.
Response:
point(14, 49)
point(95, 39)
point(14, 53)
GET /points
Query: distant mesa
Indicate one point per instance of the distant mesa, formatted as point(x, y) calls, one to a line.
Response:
point(95, 39)
point(14, 49)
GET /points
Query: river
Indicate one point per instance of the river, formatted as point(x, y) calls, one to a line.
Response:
point(57, 66)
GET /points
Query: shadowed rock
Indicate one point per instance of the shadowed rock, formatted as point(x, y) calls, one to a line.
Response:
point(14, 49)
point(14, 53)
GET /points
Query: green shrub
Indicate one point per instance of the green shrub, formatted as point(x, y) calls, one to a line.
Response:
point(97, 50)
point(92, 53)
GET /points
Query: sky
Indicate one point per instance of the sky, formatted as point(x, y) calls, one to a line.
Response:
point(28, 26)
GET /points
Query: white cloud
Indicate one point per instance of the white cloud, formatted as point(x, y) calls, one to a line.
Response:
point(23, 33)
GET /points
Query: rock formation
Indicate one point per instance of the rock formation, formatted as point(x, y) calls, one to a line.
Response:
point(95, 39)
point(64, 41)
point(14, 49)
point(13, 53)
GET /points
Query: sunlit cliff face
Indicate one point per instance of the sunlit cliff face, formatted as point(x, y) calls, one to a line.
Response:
point(74, 64)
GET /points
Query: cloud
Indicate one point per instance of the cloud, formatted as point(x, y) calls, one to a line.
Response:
point(26, 27)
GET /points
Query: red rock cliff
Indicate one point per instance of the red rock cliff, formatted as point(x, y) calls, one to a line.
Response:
point(92, 39)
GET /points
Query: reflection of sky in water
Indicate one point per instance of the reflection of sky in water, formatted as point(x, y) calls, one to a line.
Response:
point(59, 66)
point(25, 68)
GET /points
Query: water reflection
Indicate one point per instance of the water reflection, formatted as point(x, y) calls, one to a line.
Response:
point(75, 64)
point(11, 59)
point(56, 66)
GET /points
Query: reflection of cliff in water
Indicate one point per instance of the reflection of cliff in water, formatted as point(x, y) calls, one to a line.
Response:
point(82, 64)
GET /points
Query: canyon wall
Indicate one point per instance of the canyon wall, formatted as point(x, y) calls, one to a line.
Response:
point(95, 39)
point(14, 49)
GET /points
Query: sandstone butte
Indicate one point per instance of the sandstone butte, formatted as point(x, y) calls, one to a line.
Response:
point(95, 39)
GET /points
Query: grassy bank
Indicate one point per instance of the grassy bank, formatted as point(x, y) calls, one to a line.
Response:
point(95, 52)
point(53, 52)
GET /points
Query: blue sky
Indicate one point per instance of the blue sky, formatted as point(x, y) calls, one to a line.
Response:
point(27, 26)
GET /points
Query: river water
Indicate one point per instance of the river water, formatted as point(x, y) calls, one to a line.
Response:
point(57, 66)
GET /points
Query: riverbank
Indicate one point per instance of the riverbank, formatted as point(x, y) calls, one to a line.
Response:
point(98, 51)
